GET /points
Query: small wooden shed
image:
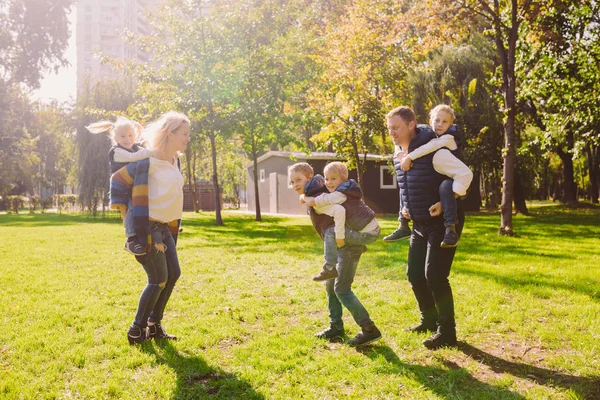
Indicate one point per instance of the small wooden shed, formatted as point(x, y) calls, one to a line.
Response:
point(379, 186)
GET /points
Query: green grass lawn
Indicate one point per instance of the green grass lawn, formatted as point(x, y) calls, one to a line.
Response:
point(246, 309)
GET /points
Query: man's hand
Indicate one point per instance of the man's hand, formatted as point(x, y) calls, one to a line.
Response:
point(406, 163)
point(435, 209)
point(340, 242)
point(405, 213)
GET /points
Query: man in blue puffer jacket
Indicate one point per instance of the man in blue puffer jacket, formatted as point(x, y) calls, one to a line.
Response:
point(428, 264)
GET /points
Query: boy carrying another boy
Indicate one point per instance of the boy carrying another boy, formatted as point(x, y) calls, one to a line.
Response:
point(352, 243)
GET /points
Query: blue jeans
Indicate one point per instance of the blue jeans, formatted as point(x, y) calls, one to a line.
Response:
point(339, 291)
point(163, 271)
point(353, 238)
point(448, 203)
point(129, 224)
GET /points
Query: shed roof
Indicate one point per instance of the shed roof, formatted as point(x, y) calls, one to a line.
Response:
point(298, 155)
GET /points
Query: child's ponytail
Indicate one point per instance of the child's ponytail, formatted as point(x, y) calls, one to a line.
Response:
point(101, 126)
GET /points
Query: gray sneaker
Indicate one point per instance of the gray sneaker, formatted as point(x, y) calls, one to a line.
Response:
point(398, 234)
point(326, 275)
point(365, 337)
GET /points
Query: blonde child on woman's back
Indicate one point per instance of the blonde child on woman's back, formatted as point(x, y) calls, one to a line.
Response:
point(124, 135)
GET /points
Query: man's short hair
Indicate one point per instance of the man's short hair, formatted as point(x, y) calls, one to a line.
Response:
point(303, 168)
point(338, 168)
point(404, 112)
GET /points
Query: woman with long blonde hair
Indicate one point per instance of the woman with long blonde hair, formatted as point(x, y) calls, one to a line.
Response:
point(157, 185)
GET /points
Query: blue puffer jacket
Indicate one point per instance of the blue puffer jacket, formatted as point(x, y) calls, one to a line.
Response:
point(419, 186)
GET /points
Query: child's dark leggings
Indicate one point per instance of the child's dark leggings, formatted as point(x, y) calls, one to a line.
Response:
point(448, 202)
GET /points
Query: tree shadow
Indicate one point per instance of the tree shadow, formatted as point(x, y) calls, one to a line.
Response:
point(453, 382)
point(586, 386)
point(590, 289)
point(55, 219)
point(198, 380)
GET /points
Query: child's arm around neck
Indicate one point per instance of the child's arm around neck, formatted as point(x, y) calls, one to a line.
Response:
point(123, 156)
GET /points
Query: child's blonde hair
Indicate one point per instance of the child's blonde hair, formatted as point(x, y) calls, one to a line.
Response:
point(303, 168)
point(157, 133)
point(338, 168)
point(114, 127)
point(442, 107)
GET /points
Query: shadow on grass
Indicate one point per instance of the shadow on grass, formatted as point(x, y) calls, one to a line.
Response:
point(196, 379)
point(590, 289)
point(454, 382)
point(54, 219)
point(587, 387)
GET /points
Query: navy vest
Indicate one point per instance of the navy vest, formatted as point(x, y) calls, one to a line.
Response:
point(358, 213)
point(313, 188)
point(419, 186)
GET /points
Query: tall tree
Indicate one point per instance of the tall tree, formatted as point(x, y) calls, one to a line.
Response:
point(503, 21)
point(559, 66)
point(364, 62)
point(33, 38)
point(98, 101)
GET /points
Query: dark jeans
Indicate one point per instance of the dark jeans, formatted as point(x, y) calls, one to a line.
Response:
point(339, 291)
point(163, 271)
point(448, 203)
point(428, 270)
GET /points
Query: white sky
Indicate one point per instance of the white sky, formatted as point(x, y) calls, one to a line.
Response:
point(61, 86)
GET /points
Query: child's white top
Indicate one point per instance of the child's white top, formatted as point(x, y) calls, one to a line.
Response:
point(444, 162)
point(338, 213)
point(433, 145)
point(165, 190)
point(123, 156)
point(336, 197)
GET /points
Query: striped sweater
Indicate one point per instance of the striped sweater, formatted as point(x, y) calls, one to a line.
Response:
point(132, 181)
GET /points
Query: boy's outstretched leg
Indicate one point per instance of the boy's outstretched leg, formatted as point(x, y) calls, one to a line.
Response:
point(342, 287)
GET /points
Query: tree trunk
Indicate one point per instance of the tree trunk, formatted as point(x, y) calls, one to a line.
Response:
point(592, 162)
point(520, 205)
point(570, 189)
point(213, 149)
point(255, 174)
point(193, 162)
point(191, 181)
point(509, 86)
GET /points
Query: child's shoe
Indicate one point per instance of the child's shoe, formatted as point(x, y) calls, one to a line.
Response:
point(137, 335)
point(365, 336)
point(134, 247)
point(157, 331)
point(326, 274)
point(450, 237)
point(330, 333)
point(403, 232)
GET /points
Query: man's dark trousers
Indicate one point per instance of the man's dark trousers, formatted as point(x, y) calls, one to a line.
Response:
point(428, 270)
